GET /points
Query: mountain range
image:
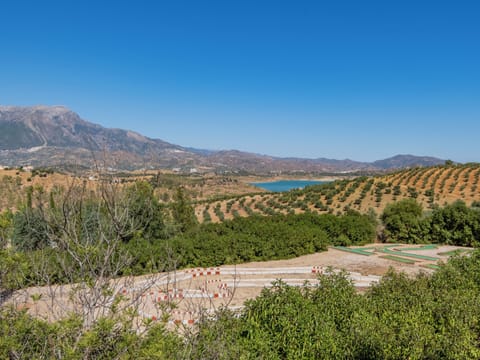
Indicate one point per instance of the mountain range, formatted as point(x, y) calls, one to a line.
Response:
point(57, 136)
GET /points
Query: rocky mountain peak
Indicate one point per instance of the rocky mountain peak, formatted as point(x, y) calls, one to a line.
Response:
point(50, 135)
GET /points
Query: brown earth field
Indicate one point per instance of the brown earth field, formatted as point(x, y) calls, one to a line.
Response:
point(182, 297)
point(13, 184)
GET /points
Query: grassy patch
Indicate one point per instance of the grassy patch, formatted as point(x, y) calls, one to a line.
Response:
point(355, 251)
point(404, 254)
point(423, 247)
point(454, 252)
point(399, 259)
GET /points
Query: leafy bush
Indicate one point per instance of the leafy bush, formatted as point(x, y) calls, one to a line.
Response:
point(426, 317)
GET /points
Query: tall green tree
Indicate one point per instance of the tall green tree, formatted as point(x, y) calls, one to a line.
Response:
point(455, 224)
point(145, 211)
point(182, 211)
point(403, 221)
point(6, 227)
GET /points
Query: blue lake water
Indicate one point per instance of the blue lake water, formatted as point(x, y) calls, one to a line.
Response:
point(286, 185)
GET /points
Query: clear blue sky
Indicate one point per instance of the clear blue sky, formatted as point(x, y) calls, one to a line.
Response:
point(341, 79)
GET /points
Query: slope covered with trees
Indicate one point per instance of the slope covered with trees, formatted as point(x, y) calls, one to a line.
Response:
point(429, 186)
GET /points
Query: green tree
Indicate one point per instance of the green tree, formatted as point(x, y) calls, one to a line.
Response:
point(13, 267)
point(30, 230)
point(403, 221)
point(6, 227)
point(455, 224)
point(145, 211)
point(182, 212)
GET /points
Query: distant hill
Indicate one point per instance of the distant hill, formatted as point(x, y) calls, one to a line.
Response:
point(407, 161)
point(55, 135)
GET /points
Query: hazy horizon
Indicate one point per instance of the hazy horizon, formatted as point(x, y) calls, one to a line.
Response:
point(363, 81)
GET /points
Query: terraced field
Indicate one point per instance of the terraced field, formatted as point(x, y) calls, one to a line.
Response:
point(430, 186)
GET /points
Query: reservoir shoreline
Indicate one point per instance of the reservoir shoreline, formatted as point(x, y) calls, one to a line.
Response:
point(286, 185)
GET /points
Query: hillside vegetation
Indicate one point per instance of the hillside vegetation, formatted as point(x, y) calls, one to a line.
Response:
point(14, 184)
point(429, 186)
point(95, 237)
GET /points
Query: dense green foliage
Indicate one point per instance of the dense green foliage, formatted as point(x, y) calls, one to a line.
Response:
point(240, 240)
point(427, 317)
point(454, 224)
point(6, 227)
point(29, 230)
point(267, 238)
point(22, 337)
point(145, 211)
point(182, 212)
point(402, 221)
